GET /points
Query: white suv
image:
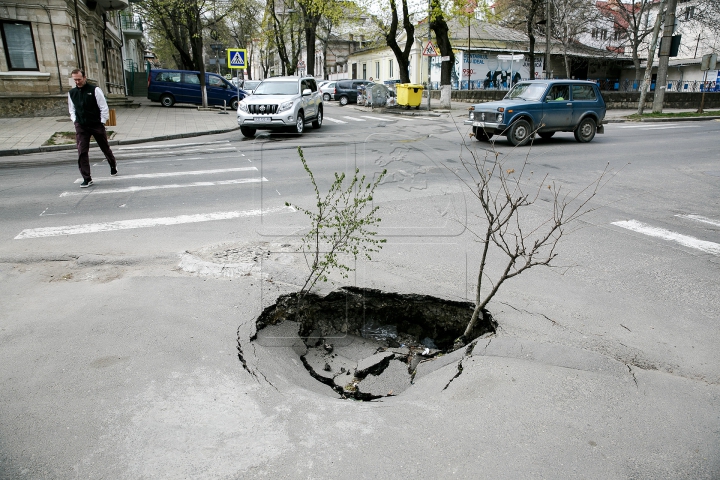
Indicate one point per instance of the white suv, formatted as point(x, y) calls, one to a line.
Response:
point(280, 103)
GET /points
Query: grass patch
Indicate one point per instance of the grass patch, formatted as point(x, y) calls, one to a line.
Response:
point(68, 138)
point(706, 113)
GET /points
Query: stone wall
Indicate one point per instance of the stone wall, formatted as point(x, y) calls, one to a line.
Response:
point(34, 106)
point(614, 100)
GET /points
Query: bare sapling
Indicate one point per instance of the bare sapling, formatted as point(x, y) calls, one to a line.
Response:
point(511, 233)
point(343, 225)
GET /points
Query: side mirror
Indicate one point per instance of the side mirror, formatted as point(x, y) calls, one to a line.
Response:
point(307, 92)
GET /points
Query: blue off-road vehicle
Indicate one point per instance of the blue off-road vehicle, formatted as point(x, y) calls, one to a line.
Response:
point(543, 107)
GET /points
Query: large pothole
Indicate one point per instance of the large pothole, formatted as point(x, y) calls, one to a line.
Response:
point(366, 343)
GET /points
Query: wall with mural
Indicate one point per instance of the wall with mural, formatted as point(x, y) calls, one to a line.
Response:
point(486, 70)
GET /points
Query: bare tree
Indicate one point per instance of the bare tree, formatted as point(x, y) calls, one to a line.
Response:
point(523, 15)
point(505, 196)
point(571, 19)
point(632, 23)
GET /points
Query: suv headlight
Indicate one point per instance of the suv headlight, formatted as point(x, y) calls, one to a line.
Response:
point(243, 106)
point(499, 118)
point(285, 106)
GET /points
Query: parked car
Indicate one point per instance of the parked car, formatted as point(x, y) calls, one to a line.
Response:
point(281, 103)
point(328, 91)
point(250, 85)
point(346, 91)
point(543, 107)
point(183, 86)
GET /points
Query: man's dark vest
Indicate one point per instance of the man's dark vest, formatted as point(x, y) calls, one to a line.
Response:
point(87, 111)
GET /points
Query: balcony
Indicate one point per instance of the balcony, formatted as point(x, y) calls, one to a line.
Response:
point(108, 5)
point(131, 27)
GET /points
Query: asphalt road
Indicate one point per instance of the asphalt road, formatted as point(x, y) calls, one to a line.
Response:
point(119, 356)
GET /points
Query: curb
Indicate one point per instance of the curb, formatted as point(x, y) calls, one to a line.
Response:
point(681, 119)
point(55, 148)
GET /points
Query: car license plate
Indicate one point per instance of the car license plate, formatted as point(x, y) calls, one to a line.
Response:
point(478, 124)
point(262, 119)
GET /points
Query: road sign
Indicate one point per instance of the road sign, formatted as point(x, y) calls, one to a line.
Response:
point(236, 58)
point(430, 50)
point(301, 64)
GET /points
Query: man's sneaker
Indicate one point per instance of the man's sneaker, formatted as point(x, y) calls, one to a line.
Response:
point(86, 183)
point(113, 171)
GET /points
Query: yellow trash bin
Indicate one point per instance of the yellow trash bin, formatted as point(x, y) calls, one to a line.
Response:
point(409, 94)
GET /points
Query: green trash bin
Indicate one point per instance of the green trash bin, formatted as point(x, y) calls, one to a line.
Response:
point(409, 94)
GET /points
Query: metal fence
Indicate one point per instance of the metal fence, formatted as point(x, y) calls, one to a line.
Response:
point(672, 86)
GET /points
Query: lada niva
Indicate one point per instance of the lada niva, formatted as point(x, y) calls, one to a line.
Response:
point(543, 107)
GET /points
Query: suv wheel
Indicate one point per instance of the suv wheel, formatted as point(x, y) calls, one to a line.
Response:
point(300, 124)
point(247, 132)
point(326, 97)
point(585, 130)
point(520, 132)
point(167, 100)
point(317, 123)
point(343, 101)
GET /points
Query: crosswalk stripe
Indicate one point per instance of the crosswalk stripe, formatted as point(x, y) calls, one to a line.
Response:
point(123, 155)
point(171, 174)
point(375, 118)
point(138, 188)
point(405, 118)
point(354, 119)
point(142, 223)
point(666, 128)
point(685, 240)
point(334, 120)
point(172, 145)
point(646, 125)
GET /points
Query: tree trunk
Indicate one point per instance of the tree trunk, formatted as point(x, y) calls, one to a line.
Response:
point(402, 56)
point(439, 26)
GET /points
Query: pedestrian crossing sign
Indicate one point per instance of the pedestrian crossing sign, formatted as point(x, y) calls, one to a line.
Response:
point(236, 58)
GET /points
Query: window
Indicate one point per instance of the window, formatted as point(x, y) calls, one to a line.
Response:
point(618, 35)
point(558, 93)
point(391, 74)
point(169, 77)
point(364, 71)
point(19, 45)
point(583, 92)
point(216, 81)
point(603, 34)
point(191, 78)
point(689, 13)
point(377, 70)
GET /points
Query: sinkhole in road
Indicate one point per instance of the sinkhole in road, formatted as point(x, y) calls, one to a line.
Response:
point(367, 344)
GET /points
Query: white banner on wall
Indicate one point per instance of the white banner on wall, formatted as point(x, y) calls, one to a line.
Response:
point(488, 70)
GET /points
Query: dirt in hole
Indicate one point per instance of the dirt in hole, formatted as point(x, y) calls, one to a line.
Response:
point(366, 343)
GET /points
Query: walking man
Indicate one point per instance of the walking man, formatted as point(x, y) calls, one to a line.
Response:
point(89, 112)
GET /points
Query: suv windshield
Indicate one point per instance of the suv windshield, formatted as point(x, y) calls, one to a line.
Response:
point(251, 84)
point(527, 91)
point(277, 88)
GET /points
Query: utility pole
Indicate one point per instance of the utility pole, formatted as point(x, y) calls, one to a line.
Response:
point(651, 58)
point(428, 57)
point(547, 39)
point(661, 83)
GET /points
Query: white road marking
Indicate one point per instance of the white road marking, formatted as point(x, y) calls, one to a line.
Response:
point(141, 223)
point(173, 145)
point(162, 187)
point(400, 117)
point(685, 240)
point(700, 218)
point(375, 118)
point(333, 120)
point(645, 125)
point(171, 174)
point(666, 128)
point(121, 156)
point(354, 119)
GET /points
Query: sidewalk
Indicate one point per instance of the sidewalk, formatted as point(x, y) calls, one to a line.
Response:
point(134, 125)
point(152, 122)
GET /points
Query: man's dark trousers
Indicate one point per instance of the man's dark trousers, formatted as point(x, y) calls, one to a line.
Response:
point(82, 138)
